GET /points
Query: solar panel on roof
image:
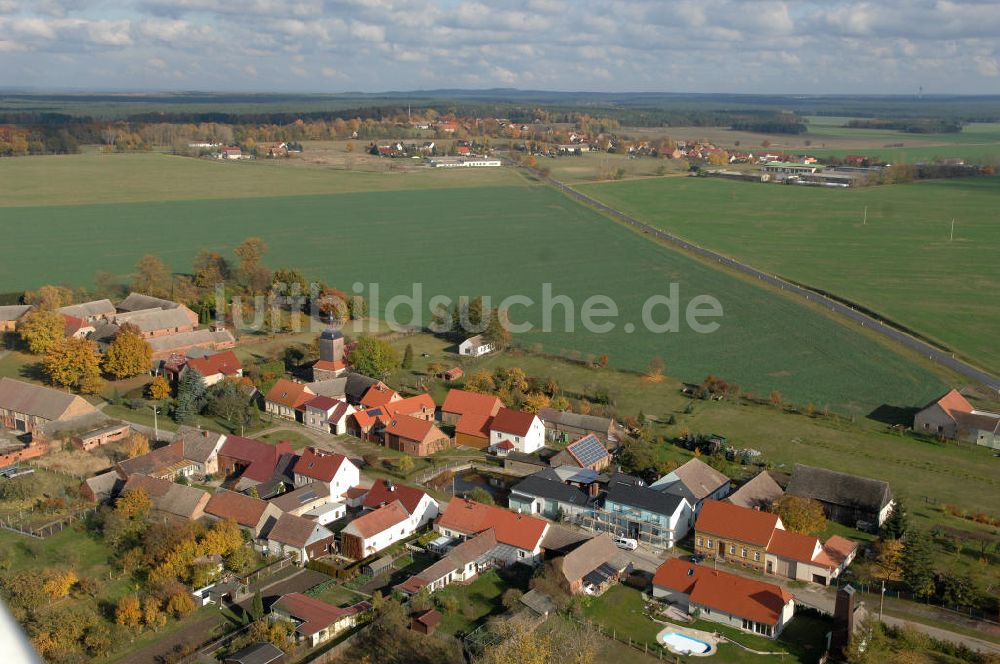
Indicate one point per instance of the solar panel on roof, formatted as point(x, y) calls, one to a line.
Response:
point(588, 450)
point(306, 497)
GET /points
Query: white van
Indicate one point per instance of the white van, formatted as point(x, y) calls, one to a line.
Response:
point(626, 543)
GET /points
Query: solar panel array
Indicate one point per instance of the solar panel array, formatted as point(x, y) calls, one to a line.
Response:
point(588, 450)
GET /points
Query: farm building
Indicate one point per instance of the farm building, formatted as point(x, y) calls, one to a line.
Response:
point(475, 346)
point(952, 416)
point(27, 408)
point(854, 501)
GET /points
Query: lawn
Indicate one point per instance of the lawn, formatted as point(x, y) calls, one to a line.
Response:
point(476, 603)
point(901, 263)
point(401, 239)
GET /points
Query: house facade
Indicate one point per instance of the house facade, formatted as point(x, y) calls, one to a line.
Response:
point(334, 471)
point(524, 431)
point(475, 346)
point(28, 408)
point(734, 534)
point(852, 500)
point(952, 416)
point(302, 538)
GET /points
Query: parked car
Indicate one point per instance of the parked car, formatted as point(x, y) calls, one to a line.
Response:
point(697, 558)
point(626, 543)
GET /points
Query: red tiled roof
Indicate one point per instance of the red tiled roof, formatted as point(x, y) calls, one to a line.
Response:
point(737, 595)
point(384, 492)
point(366, 418)
point(329, 365)
point(72, 325)
point(735, 522)
point(469, 517)
point(430, 618)
point(953, 402)
point(289, 393)
point(378, 521)
point(410, 428)
point(410, 405)
point(260, 458)
point(322, 403)
point(793, 546)
point(315, 614)
point(225, 363)
point(244, 510)
point(514, 422)
point(475, 424)
point(837, 549)
point(462, 402)
point(319, 465)
point(378, 395)
point(506, 445)
point(355, 492)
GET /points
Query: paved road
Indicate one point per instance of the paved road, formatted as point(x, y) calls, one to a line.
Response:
point(932, 353)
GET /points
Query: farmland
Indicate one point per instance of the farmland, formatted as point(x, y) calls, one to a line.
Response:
point(491, 240)
point(900, 263)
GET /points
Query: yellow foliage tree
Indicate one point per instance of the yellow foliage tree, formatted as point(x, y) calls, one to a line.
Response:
point(158, 389)
point(58, 583)
point(128, 355)
point(152, 615)
point(535, 401)
point(135, 445)
point(180, 604)
point(128, 612)
point(41, 331)
point(889, 560)
point(801, 515)
point(76, 364)
point(222, 538)
point(49, 298)
point(481, 382)
point(133, 503)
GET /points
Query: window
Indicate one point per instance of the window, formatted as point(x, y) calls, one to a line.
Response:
point(756, 556)
point(743, 552)
point(732, 549)
point(699, 541)
point(522, 554)
point(517, 439)
point(747, 624)
point(708, 543)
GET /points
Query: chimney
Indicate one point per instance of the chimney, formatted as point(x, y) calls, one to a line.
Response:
point(843, 621)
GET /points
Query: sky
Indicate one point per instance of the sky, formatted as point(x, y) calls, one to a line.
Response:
point(738, 46)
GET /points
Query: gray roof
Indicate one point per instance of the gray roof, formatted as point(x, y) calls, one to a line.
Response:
point(14, 312)
point(89, 309)
point(538, 602)
point(335, 387)
point(585, 422)
point(356, 385)
point(39, 401)
point(700, 478)
point(560, 539)
point(151, 320)
point(258, 653)
point(167, 496)
point(588, 556)
point(331, 333)
point(829, 486)
point(308, 493)
point(138, 301)
point(199, 444)
point(106, 485)
point(643, 497)
point(760, 492)
point(546, 484)
point(186, 339)
point(295, 530)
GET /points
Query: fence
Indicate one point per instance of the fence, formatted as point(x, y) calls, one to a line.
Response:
point(873, 593)
point(48, 529)
point(267, 570)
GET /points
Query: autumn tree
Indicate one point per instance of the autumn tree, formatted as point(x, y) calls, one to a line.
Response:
point(801, 515)
point(374, 357)
point(49, 298)
point(158, 389)
point(41, 330)
point(480, 382)
point(511, 379)
point(211, 269)
point(151, 277)
point(58, 583)
point(134, 503)
point(180, 604)
point(251, 273)
point(129, 354)
point(405, 465)
point(776, 399)
point(889, 560)
point(75, 364)
point(128, 613)
point(152, 614)
point(222, 538)
point(535, 401)
point(332, 305)
point(135, 445)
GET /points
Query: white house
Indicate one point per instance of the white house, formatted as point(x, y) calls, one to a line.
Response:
point(327, 414)
point(525, 430)
point(334, 470)
point(519, 535)
point(376, 530)
point(299, 537)
point(475, 346)
point(421, 506)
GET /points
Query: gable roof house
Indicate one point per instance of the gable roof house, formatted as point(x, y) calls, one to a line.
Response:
point(355, 386)
point(303, 499)
point(103, 487)
point(327, 414)
point(461, 564)
point(952, 416)
point(168, 462)
point(215, 368)
point(377, 395)
point(335, 471)
point(524, 432)
point(475, 346)
point(414, 436)
point(641, 512)
point(252, 514)
point(252, 461)
point(170, 499)
point(759, 493)
point(587, 452)
point(521, 535)
point(89, 311)
point(593, 567)
point(11, 315)
point(140, 302)
point(459, 403)
point(418, 503)
point(316, 621)
point(854, 501)
point(301, 538)
point(153, 323)
point(563, 426)
point(202, 447)
point(545, 494)
point(214, 338)
point(698, 480)
point(746, 604)
point(28, 408)
point(376, 530)
point(287, 399)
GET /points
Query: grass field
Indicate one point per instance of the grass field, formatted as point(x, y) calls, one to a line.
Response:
point(900, 264)
point(494, 241)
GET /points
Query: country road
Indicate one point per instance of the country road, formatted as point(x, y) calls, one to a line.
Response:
point(929, 351)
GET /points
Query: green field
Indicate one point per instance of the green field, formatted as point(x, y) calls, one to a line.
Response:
point(900, 264)
point(497, 241)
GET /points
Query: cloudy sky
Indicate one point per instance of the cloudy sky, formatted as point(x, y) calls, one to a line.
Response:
point(802, 46)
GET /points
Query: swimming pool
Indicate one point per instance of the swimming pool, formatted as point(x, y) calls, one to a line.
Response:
point(684, 645)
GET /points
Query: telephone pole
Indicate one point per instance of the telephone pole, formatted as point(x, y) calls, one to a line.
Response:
point(952, 238)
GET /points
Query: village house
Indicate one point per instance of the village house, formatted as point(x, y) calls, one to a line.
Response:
point(473, 430)
point(202, 447)
point(462, 564)
point(546, 494)
point(287, 399)
point(696, 481)
point(303, 499)
point(316, 622)
point(521, 535)
point(11, 315)
point(327, 414)
point(91, 312)
point(421, 506)
point(28, 408)
point(593, 567)
point(378, 395)
point(752, 606)
point(139, 302)
point(102, 488)
point(562, 427)
point(77, 328)
point(953, 417)
point(231, 152)
point(459, 403)
point(376, 530)
point(215, 368)
point(524, 431)
point(858, 502)
point(254, 515)
point(252, 460)
point(641, 512)
point(760, 493)
point(475, 346)
point(588, 452)
point(414, 436)
point(215, 338)
point(169, 499)
point(168, 462)
point(93, 431)
point(355, 386)
point(334, 471)
point(153, 323)
point(301, 538)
